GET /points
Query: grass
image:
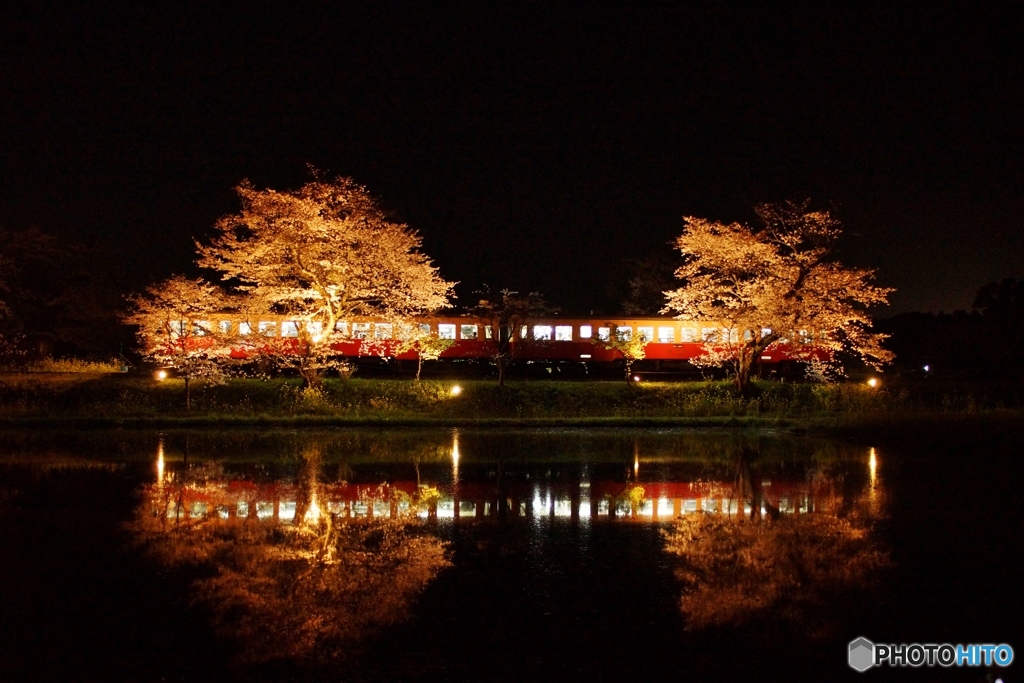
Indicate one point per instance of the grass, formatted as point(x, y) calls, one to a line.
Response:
point(102, 400)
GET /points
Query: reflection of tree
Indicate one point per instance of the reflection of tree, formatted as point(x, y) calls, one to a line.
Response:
point(734, 571)
point(311, 588)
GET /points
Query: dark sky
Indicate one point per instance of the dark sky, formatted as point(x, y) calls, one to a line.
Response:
point(534, 147)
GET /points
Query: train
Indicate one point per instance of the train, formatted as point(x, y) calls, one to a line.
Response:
point(544, 346)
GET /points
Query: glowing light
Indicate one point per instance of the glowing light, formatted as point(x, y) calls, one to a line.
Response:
point(636, 378)
point(455, 456)
point(456, 390)
point(160, 463)
point(872, 466)
point(873, 382)
point(313, 511)
point(160, 375)
point(927, 368)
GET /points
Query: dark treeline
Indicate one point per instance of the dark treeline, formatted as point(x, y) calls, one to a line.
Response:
point(986, 343)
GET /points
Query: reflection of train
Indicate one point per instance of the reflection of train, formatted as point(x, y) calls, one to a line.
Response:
point(552, 342)
point(655, 501)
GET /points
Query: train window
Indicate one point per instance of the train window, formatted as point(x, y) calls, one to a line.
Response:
point(178, 327)
point(267, 328)
point(382, 331)
point(289, 329)
point(542, 332)
point(765, 331)
point(586, 331)
point(224, 326)
point(244, 329)
point(604, 333)
point(804, 336)
point(645, 333)
point(709, 334)
point(360, 330)
point(315, 329)
point(424, 328)
point(488, 332)
point(446, 331)
point(747, 336)
point(201, 328)
point(666, 335)
point(563, 333)
point(523, 331)
point(624, 332)
point(468, 331)
point(732, 335)
point(341, 327)
point(689, 334)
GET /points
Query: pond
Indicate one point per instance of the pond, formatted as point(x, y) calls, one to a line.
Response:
point(508, 555)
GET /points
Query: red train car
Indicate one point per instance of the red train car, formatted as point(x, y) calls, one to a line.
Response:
point(670, 343)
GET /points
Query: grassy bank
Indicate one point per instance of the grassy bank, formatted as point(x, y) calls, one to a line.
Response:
point(107, 400)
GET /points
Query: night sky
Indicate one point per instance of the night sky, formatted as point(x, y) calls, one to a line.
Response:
point(534, 147)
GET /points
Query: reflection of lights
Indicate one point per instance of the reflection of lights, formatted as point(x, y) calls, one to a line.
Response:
point(160, 463)
point(636, 465)
point(160, 375)
point(313, 511)
point(873, 382)
point(455, 456)
point(456, 390)
point(872, 466)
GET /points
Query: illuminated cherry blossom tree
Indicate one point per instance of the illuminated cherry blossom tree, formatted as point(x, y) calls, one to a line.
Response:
point(320, 254)
point(632, 347)
point(428, 345)
point(763, 285)
point(506, 313)
point(174, 328)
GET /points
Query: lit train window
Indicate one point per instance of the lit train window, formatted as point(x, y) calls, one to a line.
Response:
point(604, 333)
point(178, 327)
point(224, 326)
point(468, 331)
point(488, 332)
point(289, 329)
point(244, 329)
point(523, 331)
point(342, 328)
point(360, 330)
point(267, 328)
point(586, 331)
point(315, 329)
point(542, 332)
point(645, 333)
point(382, 331)
point(804, 336)
point(446, 331)
point(563, 333)
point(732, 335)
point(624, 332)
point(765, 331)
point(709, 334)
point(666, 335)
point(201, 328)
point(425, 328)
point(689, 334)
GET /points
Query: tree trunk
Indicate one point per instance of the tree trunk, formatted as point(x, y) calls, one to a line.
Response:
point(311, 377)
point(419, 366)
point(188, 395)
point(629, 368)
point(501, 371)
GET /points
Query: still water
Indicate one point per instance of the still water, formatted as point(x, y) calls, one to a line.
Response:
point(467, 555)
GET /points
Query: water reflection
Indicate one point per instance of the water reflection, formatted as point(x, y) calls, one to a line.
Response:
point(309, 556)
point(294, 570)
point(781, 556)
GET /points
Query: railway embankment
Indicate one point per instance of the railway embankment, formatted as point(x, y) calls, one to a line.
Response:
point(42, 400)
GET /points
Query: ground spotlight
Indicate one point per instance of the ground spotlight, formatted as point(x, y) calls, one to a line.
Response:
point(873, 383)
point(160, 375)
point(456, 390)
